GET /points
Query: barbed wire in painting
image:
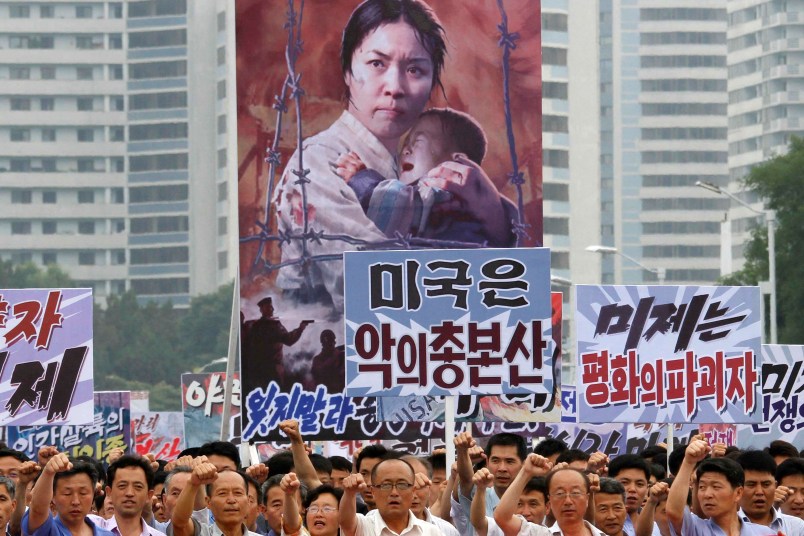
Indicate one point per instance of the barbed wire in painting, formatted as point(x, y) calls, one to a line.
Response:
point(292, 89)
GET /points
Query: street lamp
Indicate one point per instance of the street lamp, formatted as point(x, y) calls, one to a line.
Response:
point(770, 219)
point(661, 273)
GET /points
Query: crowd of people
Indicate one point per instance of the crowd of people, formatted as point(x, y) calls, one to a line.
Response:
point(502, 489)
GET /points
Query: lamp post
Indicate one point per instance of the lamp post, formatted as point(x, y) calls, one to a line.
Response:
point(661, 273)
point(770, 219)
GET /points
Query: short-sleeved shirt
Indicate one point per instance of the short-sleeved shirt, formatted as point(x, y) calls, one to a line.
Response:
point(446, 528)
point(692, 525)
point(211, 529)
point(372, 524)
point(111, 525)
point(786, 524)
point(555, 530)
point(53, 526)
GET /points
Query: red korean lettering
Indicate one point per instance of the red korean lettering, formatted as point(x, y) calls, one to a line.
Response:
point(595, 375)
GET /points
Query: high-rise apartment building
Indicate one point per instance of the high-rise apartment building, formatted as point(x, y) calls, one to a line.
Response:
point(113, 141)
point(766, 100)
point(663, 116)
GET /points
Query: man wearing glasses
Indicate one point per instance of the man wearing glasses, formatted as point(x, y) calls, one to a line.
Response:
point(568, 499)
point(392, 487)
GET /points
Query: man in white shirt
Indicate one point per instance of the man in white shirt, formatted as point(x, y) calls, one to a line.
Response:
point(393, 484)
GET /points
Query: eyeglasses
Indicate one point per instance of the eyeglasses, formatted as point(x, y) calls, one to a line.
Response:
point(323, 509)
point(561, 495)
point(388, 486)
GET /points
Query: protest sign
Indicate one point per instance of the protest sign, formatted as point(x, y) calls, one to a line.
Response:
point(298, 213)
point(668, 354)
point(783, 398)
point(45, 356)
point(110, 429)
point(202, 404)
point(158, 432)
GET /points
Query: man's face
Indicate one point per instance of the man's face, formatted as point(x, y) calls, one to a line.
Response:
point(610, 513)
point(7, 505)
point(72, 497)
point(568, 496)
point(393, 503)
point(794, 505)
point(421, 497)
point(758, 492)
point(325, 478)
point(636, 488)
point(221, 463)
point(532, 506)
point(274, 503)
point(177, 483)
point(158, 503)
point(424, 148)
point(717, 496)
point(10, 467)
point(439, 476)
point(253, 506)
point(129, 492)
point(504, 463)
point(267, 310)
point(366, 465)
point(337, 477)
point(228, 499)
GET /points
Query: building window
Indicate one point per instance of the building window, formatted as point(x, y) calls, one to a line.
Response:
point(222, 225)
point(221, 89)
point(116, 10)
point(85, 104)
point(171, 285)
point(86, 227)
point(118, 226)
point(86, 164)
point(118, 196)
point(221, 124)
point(84, 73)
point(115, 41)
point(20, 73)
point(47, 12)
point(86, 196)
point(49, 257)
point(86, 134)
point(49, 197)
point(116, 72)
point(19, 11)
point(86, 258)
point(223, 191)
point(83, 12)
point(117, 103)
point(21, 257)
point(119, 256)
point(20, 104)
point(221, 55)
point(20, 134)
point(84, 42)
point(48, 134)
point(21, 227)
point(117, 134)
point(23, 197)
point(49, 227)
point(20, 164)
point(223, 260)
point(221, 158)
point(118, 164)
point(49, 165)
point(47, 72)
point(47, 104)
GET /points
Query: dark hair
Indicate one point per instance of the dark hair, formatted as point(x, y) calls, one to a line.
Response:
point(551, 474)
point(189, 451)
point(462, 131)
point(654, 450)
point(537, 483)
point(724, 466)
point(323, 489)
point(438, 460)
point(757, 460)
point(251, 481)
point(340, 463)
point(99, 468)
point(221, 448)
point(80, 467)
point(676, 457)
point(280, 463)
point(549, 447)
point(782, 448)
point(160, 477)
point(372, 14)
point(790, 467)
point(370, 451)
point(273, 482)
point(6, 452)
point(629, 461)
point(612, 486)
point(131, 460)
point(506, 439)
point(572, 455)
point(320, 463)
point(657, 471)
point(374, 469)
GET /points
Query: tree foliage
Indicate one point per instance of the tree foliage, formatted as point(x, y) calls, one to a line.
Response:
point(780, 181)
point(29, 275)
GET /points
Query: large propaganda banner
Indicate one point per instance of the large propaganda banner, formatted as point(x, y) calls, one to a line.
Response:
point(202, 397)
point(45, 356)
point(783, 398)
point(158, 432)
point(668, 354)
point(110, 428)
point(346, 154)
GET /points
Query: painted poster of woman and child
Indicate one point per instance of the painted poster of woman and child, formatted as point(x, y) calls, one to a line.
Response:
point(403, 138)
